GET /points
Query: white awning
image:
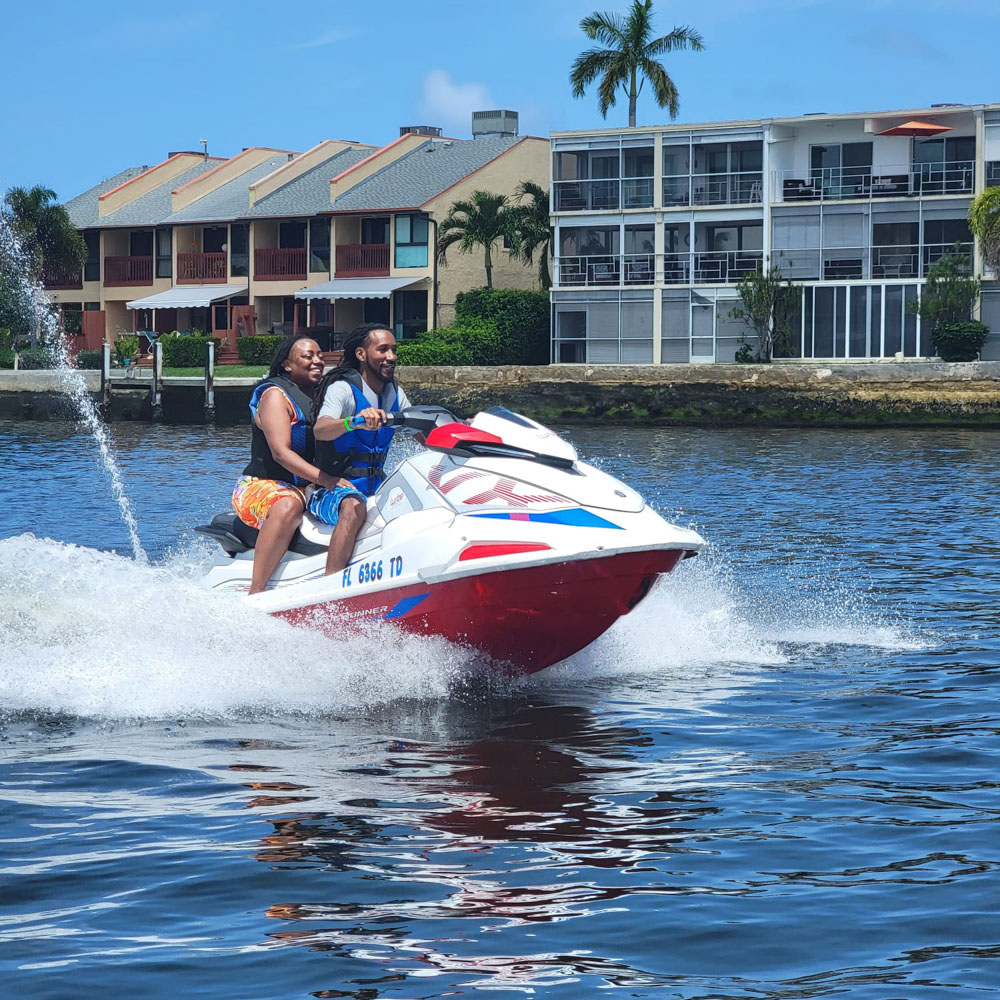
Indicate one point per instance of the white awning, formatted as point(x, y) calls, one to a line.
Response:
point(187, 297)
point(356, 288)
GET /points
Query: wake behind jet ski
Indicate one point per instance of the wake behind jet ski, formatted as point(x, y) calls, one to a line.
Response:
point(497, 537)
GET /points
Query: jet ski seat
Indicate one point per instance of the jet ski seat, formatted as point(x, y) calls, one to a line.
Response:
point(234, 536)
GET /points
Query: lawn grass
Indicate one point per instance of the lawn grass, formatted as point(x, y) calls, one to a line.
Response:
point(221, 371)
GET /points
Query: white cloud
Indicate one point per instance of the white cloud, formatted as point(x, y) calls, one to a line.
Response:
point(449, 104)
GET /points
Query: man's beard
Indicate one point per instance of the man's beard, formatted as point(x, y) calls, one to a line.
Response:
point(376, 371)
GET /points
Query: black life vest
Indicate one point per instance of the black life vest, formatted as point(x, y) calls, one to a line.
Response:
point(262, 464)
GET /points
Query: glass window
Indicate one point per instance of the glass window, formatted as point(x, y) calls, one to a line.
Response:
point(376, 231)
point(140, 244)
point(72, 318)
point(319, 245)
point(163, 262)
point(92, 265)
point(292, 235)
point(411, 241)
point(239, 249)
point(409, 313)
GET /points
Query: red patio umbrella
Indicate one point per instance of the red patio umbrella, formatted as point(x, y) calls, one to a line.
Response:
point(916, 128)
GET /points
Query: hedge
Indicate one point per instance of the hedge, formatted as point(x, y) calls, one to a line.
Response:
point(88, 360)
point(257, 350)
point(6, 357)
point(186, 350)
point(35, 358)
point(522, 318)
point(492, 327)
point(959, 341)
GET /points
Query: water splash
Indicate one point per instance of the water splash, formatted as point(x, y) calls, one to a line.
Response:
point(15, 262)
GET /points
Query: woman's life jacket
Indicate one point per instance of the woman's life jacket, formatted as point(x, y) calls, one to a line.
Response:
point(359, 455)
point(262, 464)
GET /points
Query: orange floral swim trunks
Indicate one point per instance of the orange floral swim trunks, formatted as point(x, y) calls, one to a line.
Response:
point(254, 498)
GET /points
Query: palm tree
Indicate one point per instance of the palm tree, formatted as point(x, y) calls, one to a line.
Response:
point(629, 54)
point(48, 238)
point(984, 221)
point(480, 221)
point(532, 232)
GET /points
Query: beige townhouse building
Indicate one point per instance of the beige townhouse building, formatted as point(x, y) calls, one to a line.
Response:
point(274, 240)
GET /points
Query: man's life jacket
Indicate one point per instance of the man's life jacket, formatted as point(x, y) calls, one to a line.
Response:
point(359, 455)
point(262, 464)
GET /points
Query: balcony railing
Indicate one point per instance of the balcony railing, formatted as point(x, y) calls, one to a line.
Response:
point(63, 279)
point(358, 260)
point(120, 271)
point(637, 192)
point(275, 264)
point(908, 180)
point(993, 173)
point(719, 267)
point(584, 196)
point(842, 263)
point(196, 267)
point(740, 188)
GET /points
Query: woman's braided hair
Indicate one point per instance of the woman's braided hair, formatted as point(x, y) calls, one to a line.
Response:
point(358, 337)
point(282, 351)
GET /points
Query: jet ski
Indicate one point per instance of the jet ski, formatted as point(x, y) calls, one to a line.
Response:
point(496, 536)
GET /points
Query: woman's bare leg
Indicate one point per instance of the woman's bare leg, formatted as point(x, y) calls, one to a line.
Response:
point(272, 543)
point(349, 522)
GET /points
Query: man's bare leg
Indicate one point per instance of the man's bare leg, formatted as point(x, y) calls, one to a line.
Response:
point(350, 519)
point(272, 543)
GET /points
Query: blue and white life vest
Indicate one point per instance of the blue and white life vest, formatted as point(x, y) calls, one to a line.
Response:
point(262, 464)
point(359, 455)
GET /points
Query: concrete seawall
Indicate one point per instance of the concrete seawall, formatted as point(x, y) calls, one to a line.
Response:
point(851, 394)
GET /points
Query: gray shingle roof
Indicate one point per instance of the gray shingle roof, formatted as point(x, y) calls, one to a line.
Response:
point(83, 208)
point(228, 201)
point(422, 173)
point(309, 193)
point(151, 208)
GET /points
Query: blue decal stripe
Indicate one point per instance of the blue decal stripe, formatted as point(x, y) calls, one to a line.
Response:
point(575, 518)
point(405, 606)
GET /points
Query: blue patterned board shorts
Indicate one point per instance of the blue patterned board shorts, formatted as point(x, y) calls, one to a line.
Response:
point(324, 504)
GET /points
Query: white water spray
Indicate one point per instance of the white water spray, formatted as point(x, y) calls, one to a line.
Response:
point(16, 266)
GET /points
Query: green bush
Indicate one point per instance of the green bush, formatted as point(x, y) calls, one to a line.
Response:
point(959, 341)
point(126, 347)
point(6, 338)
point(6, 357)
point(257, 350)
point(472, 342)
point(522, 318)
point(35, 358)
point(186, 350)
point(88, 360)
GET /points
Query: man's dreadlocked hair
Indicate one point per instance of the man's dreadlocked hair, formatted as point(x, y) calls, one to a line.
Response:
point(282, 351)
point(358, 337)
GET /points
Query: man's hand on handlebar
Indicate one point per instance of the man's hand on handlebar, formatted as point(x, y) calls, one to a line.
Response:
point(373, 418)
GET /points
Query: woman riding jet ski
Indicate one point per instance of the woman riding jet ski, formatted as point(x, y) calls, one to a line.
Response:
point(496, 536)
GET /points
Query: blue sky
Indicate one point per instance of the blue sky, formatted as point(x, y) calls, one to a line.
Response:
point(88, 89)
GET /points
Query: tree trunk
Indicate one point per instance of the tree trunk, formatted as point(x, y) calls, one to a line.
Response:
point(632, 95)
point(489, 268)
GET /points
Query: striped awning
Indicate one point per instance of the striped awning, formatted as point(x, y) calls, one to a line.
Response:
point(357, 288)
point(187, 297)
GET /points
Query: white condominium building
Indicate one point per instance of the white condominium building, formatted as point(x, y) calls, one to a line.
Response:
point(654, 227)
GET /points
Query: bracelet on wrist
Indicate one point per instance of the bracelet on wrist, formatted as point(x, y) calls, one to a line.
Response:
point(347, 424)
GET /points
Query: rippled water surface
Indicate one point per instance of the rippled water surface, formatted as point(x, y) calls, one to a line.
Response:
point(777, 778)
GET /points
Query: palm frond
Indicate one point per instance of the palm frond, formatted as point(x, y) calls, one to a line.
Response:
point(678, 39)
point(608, 28)
point(664, 90)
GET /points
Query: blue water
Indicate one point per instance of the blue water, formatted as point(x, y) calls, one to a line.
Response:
point(777, 778)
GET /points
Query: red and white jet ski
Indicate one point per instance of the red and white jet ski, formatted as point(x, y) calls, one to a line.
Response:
point(497, 537)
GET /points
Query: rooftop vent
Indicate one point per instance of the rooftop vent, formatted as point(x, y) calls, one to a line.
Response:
point(950, 104)
point(494, 123)
point(419, 130)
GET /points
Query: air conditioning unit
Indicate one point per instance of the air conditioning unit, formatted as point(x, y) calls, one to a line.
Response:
point(494, 123)
point(419, 130)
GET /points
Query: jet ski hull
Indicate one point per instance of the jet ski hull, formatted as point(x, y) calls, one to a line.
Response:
point(529, 617)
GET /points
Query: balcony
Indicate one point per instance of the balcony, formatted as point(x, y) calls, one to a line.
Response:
point(122, 271)
point(278, 264)
point(740, 188)
point(845, 263)
point(720, 267)
point(63, 279)
point(198, 267)
point(715, 268)
point(586, 196)
point(908, 180)
point(362, 260)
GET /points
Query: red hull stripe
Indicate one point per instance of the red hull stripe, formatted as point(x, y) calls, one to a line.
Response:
point(530, 617)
